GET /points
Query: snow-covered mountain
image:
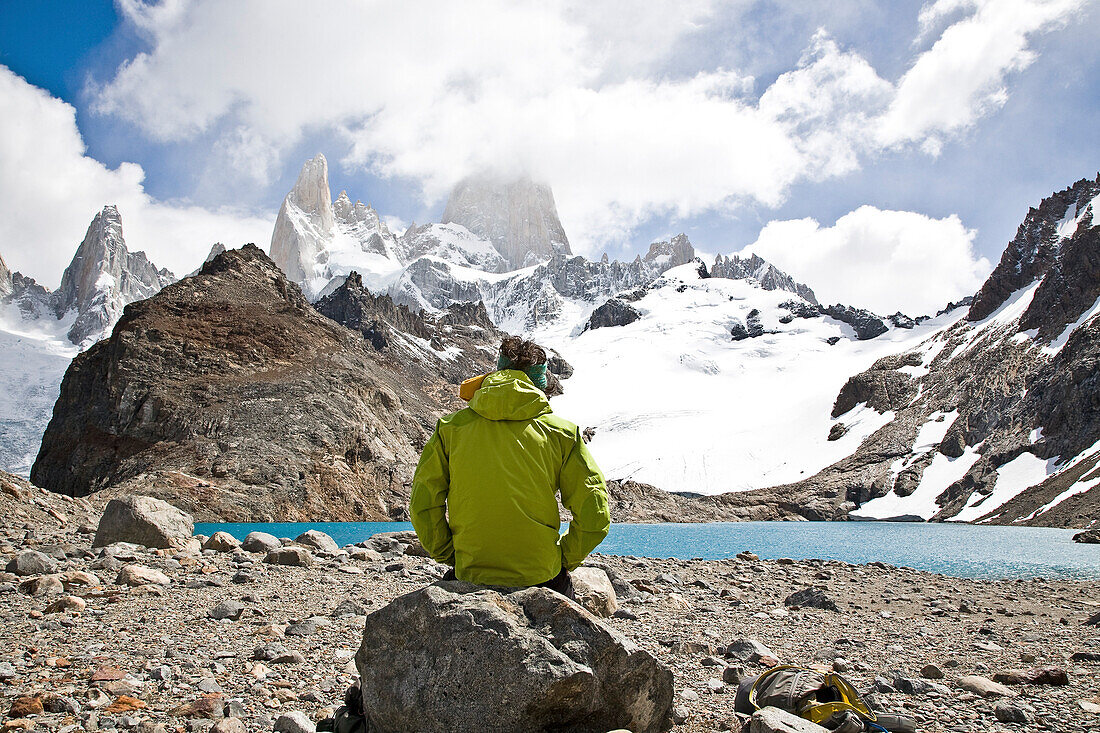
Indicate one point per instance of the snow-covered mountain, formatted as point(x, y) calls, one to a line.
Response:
point(41, 331)
point(995, 417)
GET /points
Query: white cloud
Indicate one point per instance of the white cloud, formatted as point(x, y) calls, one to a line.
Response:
point(963, 77)
point(50, 190)
point(579, 94)
point(882, 260)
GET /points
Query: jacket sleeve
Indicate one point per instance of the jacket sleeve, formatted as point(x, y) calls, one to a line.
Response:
point(583, 493)
point(428, 503)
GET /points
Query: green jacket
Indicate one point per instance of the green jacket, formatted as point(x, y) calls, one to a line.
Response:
point(483, 496)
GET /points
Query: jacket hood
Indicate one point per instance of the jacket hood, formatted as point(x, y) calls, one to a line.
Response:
point(509, 395)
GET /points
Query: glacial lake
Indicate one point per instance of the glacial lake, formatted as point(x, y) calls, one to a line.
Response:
point(959, 550)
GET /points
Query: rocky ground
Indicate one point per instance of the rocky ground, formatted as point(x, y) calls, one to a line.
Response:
point(82, 649)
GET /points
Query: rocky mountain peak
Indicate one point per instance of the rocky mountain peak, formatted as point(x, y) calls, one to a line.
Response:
point(759, 269)
point(1037, 244)
point(518, 216)
point(305, 224)
point(5, 279)
point(677, 251)
point(230, 395)
point(103, 277)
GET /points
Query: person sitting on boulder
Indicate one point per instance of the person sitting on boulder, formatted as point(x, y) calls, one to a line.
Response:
point(484, 492)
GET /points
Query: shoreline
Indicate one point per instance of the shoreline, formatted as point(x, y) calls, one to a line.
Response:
point(133, 658)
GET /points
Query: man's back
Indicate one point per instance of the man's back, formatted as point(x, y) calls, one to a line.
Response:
point(497, 466)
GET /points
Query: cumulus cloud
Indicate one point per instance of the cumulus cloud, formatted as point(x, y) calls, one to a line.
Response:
point(568, 91)
point(882, 260)
point(963, 76)
point(50, 190)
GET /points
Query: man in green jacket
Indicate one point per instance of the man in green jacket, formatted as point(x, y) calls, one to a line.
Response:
point(484, 492)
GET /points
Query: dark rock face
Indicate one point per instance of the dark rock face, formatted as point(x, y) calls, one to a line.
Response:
point(769, 277)
point(751, 328)
point(1089, 537)
point(455, 656)
point(881, 386)
point(461, 339)
point(353, 306)
point(1034, 249)
point(613, 313)
point(865, 323)
point(519, 217)
point(1070, 287)
point(798, 309)
point(678, 251)
point(230, 396)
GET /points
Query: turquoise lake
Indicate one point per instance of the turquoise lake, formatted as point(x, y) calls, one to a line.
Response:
point(967, 551)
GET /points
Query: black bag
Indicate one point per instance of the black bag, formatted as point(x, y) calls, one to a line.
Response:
point(349, 717)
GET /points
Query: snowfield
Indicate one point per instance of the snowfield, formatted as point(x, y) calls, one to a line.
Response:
point(678, 404)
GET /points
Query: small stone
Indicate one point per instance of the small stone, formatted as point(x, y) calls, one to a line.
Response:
point(840, 664)
point(17, 724)
point(260, 542)
point(137, 575)
point(208, 684)
point(294, 722)
point(1007, 712)
point(221, 542)
point(229, 725)
point(680, 714)
point(24, 706)
point(293, 556)
point(318, 541)
point(32, 562)
point(931, 672)
point(67, 604)
point(7, 671)
point(732, 675)
point(289, 658)
point(911, 686)
point(1078, 657)
point(302, 628)
point(227, 610)
point(43, 585)
point(750, 650)
point(124, 704)
point(715, 685)
point(207, 706)
point(983, 686)
point(79, 577)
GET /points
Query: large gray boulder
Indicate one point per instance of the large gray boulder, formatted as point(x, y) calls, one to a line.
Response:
point(455, 656)
point(143, 520)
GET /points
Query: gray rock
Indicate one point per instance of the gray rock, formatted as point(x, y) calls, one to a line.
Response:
point(594, 591)
point(32, 562)
point(931, 672)
point(229, 725)
point(227, 610)
point(296, 556)
point(294, 722)
point(7, 671)
point(774, 720)
point(488, 650)
point(221, 542)
point(811, 598)
point(302, 628)
point(318, 541)
point(748, 650)
point(260, 542)
point(983, 686)
point(1007, 712)
point(1089, 536)
point(613, 313)
point(134, 575)
point(912, 686)
point(143, 520)
point(43, 585)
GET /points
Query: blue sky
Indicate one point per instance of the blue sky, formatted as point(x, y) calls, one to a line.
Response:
point(902, 141)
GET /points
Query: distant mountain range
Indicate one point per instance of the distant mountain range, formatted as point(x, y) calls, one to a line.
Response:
point(725, 384)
